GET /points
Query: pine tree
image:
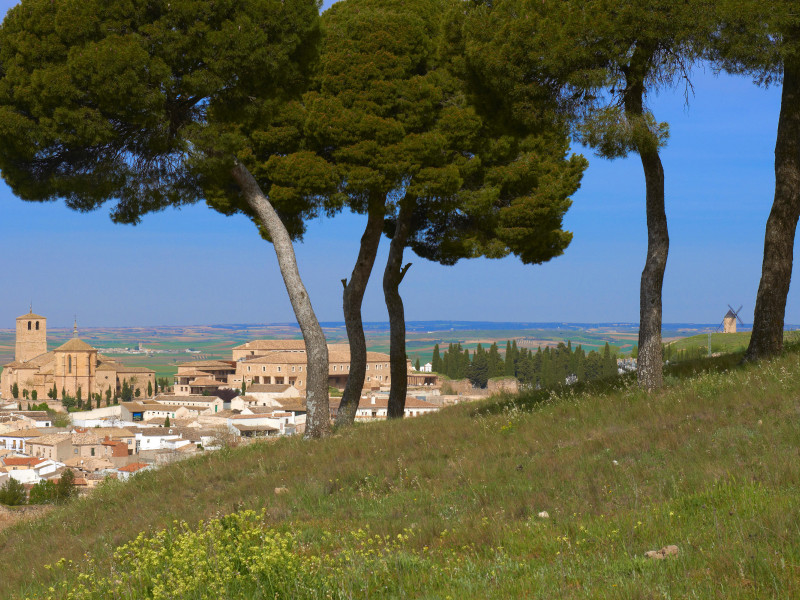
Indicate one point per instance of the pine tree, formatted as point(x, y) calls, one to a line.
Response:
point(416, 364)
point(149, 389)
point(15, 391)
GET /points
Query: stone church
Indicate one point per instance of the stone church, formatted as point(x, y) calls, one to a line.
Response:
point(70, 367)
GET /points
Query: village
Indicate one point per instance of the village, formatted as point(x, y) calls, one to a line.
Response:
point(257, 395)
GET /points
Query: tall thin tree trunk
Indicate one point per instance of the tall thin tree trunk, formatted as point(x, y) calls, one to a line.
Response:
point(776, 270)
point(650, 359)
point(352, 299)
point(392, 278)
point(317, 402)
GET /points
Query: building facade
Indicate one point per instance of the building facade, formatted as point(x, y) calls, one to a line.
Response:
point(69, 368)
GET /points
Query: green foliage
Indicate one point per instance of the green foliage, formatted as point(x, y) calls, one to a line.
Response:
point(65, 488)
point(12, 493)
point(148, 103)
point(149, 389)
point(34, 395)
point(166, 421)
point(44, 492)
point(15, 391)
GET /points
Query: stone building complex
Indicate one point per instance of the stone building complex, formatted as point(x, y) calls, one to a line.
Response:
point(70, 367)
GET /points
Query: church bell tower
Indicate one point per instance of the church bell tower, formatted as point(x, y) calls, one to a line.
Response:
point(31, 337)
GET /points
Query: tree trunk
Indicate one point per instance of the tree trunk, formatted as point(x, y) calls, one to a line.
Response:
point(351, 300)
point(776, 270)
point(317, 403)
point(392, 277)
point(650, 359)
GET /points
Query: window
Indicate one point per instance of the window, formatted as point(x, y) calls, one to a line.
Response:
point(29, 325)
point(263, 369)
point(334, 367)
point(37, 325)
point(368, 367)
point(300, 368)
point(279, 369)
point(70, 365)
point(92, 451)
point(292, 369)
point(248, 369)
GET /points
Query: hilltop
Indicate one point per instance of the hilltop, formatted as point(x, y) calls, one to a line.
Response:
point(709, 465)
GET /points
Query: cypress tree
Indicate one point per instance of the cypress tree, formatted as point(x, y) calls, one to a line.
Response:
point(436, 361)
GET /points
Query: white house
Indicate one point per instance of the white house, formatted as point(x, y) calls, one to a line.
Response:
point(426, 368)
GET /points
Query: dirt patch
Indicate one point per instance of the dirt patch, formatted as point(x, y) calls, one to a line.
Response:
point(11, 516)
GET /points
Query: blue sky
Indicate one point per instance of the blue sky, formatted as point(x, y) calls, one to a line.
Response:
point(195, 266)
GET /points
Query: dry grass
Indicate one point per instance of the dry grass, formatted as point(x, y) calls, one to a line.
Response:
point(710, 464)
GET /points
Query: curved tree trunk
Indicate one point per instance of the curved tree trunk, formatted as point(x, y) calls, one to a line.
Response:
point(392, 278)
point(317, 403)
point(650, 360)
point(776, 270)
point(351, 300)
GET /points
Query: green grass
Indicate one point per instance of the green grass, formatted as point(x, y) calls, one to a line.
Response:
point(709, 464)
point(724, 342)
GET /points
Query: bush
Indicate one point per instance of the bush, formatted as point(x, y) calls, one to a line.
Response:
point(12, 493)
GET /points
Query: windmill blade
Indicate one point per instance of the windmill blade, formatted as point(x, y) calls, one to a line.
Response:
point(737, 316)
point(720, 326)
point(733, 311)
point(740, 310)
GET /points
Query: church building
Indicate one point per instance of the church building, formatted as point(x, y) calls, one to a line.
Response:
point(71, 367)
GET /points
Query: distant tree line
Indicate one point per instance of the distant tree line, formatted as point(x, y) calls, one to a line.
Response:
point(543, 368)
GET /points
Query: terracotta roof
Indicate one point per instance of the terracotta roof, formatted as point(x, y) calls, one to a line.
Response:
point(80, 439)
point(30, 315)
point(105, 366)
point(24, 433)
point(133, 467)
point(279, 358)
point(34, 363)
point(75, 345)
point(255, 428)
point(272, 345)
point(207, 382)
point(159, 431)
point(192, 373)
point(209, 363)
point(21, 461)
point(268, 387)
point(124, 369)
point(51, 439)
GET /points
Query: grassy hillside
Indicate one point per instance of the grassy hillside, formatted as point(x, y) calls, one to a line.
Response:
point(724, 342)
point(445, 506)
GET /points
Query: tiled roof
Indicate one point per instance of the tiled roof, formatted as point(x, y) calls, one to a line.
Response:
point(133, 467)
point(207, 382)
point(21, 461)
point(267, 387)
point(75, 345)
point(30, 315)
point(24, 433)
point(220, 364)
point(51, 439)
point(272, 345)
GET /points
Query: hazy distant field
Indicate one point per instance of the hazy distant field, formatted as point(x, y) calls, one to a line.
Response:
point(216, 341)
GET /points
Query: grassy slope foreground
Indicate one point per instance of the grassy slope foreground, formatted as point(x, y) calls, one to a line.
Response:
point(445, 506)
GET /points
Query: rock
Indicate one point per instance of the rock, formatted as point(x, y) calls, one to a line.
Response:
point(281, 490)
point(666, 551)
point(543, 515)
point(614, 462)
